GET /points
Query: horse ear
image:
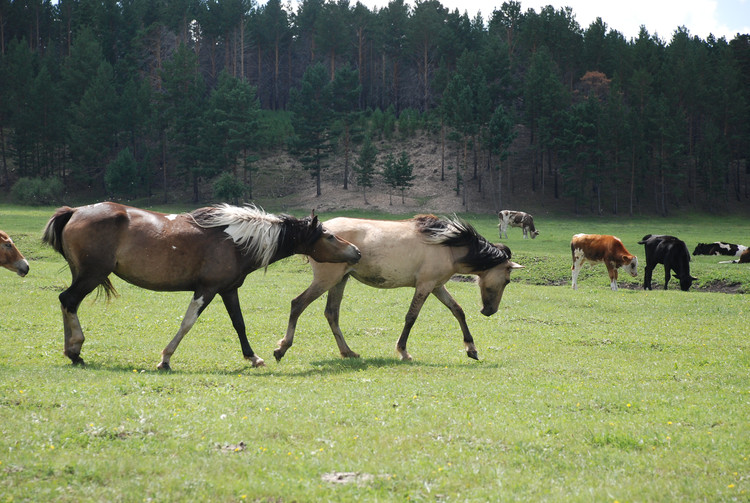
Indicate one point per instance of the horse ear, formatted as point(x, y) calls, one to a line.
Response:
point(312, 213)
point(513, 265)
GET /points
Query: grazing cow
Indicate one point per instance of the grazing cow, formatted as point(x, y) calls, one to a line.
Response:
point(671, 252)
point(744, 258)
point(719, 248)
point(601, 248)
point(517, 219)
point(10, 257)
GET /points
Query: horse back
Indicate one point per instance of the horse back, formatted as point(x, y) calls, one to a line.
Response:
point(394, 254)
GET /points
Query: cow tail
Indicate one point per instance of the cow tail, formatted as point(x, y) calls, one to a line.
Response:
point(52, 234)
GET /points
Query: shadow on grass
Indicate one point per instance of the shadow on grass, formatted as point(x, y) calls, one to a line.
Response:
point(331, 366)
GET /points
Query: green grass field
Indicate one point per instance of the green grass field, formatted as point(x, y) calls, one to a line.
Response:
point(587, 395)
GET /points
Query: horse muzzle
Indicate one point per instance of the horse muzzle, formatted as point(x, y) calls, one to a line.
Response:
point(356, 256)
point(22, 267)
point(488, 310)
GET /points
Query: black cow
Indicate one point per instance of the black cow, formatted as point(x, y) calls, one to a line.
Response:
point(719, 248)
point(671, 252)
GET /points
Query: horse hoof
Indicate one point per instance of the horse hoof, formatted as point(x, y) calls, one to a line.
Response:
point(278, 354)
point(472, 354)
point(350, 354)
point(164, 366)
point(78, 361)
point(258, 362)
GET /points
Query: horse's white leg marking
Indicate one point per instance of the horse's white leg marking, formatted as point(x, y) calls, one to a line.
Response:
point(577, 262)
point(73, 334)
point(191, 315)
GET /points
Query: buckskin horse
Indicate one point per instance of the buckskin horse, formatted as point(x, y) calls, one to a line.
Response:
point(423, 253)
point(10, 257)
point(208, 251)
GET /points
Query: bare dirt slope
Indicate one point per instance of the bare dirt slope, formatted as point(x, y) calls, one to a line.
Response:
point(281, 182)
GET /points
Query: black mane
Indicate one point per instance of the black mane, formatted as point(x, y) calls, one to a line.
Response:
point(456, 232)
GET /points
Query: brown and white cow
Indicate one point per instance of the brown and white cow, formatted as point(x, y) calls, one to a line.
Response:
point(517, 219)
point(744, 258)
point(10, 257)
point(601, 248)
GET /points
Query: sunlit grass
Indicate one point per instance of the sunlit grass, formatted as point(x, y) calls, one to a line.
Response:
point(590, 395)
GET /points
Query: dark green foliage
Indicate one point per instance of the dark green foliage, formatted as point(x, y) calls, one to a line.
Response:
point(38, 191)
point(398, 173)
point(365, 165)
point(228, 189)
point(122, 174)
point(181, 85)
point(312, 114)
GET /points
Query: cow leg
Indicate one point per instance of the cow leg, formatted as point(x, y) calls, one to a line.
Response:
point(333, 307)
point(578, 259)
point(525, 232)
point(647, 272)
point(196, 307)
point(70, 300)
point(447, 299)
point(612, 270)
point(503, 230)
point(232, 303)
point(667, 270)
point(324, 278)
point(420, 295)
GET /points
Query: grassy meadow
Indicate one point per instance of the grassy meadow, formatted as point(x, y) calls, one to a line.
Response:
point(587, 395)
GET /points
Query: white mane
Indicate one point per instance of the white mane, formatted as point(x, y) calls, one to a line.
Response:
point(251, 228)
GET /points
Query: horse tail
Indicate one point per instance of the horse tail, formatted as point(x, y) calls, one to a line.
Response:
point(52, 234)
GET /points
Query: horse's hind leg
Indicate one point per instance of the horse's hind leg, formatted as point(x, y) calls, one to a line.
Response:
point(232, 303)
point(196, 307)
point(333, 307)
point(70, 299)
point(442, 294)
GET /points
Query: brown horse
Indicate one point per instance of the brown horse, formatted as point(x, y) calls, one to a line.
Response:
point(208, 251)
point(10, 257)
point(423, 253)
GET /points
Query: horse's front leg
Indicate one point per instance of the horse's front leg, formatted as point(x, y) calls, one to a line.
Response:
point(420, 295)
point(232, 303)
point(333, 307)
point(299, 304)
point(447, 299)
point(196, 307)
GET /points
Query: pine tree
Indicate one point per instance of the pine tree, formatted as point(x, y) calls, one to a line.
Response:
point(365, 166)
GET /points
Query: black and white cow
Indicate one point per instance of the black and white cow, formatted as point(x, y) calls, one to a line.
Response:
point(673, 254)
point(719, 248)
point(517, 219)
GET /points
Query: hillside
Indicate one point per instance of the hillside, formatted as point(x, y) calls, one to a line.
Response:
point(281, 183)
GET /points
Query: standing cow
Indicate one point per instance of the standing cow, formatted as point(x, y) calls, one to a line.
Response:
point(671, 252)
point(10, 257)
point(517, 219)
point(601, 248)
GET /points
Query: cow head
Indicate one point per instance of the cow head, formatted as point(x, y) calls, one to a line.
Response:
point(534, 233)
point(685, 281)
point(630, 264)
